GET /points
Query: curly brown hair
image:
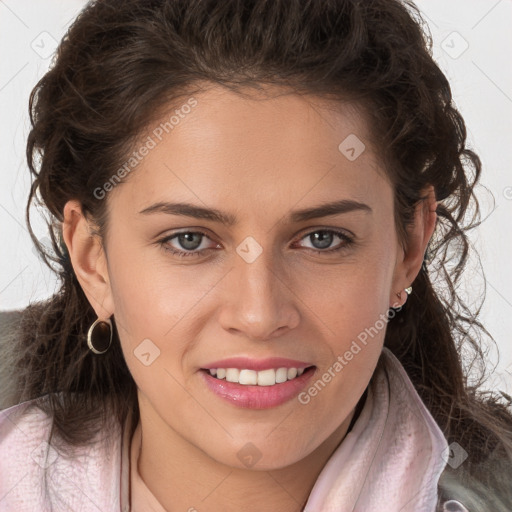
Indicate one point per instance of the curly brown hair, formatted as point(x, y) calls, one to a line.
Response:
point(122, 60)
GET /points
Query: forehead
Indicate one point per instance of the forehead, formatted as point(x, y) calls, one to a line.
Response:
point(262, 148)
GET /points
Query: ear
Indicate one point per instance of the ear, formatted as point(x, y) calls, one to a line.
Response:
point(88, 259)
point(410, 259)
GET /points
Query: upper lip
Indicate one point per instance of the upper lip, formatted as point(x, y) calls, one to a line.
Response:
point(257, 364)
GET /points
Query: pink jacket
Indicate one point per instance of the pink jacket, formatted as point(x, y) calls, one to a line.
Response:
point(391, 460)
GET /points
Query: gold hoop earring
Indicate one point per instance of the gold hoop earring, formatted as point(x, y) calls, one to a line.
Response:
point(99, 336)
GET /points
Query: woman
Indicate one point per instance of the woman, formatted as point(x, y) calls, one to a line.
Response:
point(254, 206)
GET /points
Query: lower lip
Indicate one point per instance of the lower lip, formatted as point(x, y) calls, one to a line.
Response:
point(257, 397)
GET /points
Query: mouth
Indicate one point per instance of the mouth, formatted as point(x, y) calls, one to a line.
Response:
point(257, 389)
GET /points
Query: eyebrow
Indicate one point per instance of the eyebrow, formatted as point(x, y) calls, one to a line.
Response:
point(198, 212)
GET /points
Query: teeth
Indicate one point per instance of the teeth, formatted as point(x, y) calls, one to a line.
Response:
point(232, 374)
point(281, 375)
point(253, 378)
point(248, 377)
point(266, 377)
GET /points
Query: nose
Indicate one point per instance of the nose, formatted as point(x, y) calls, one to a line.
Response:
point(259, 300)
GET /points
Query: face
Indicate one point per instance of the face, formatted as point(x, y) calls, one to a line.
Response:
point(250, 276)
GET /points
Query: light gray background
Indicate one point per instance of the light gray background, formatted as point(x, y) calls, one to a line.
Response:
point(472, 42)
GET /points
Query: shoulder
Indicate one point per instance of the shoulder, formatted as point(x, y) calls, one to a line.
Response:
point(487, 488)
point(24, 430)
point(35, 474)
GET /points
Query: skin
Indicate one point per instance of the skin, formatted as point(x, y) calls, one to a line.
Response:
point(258, 158)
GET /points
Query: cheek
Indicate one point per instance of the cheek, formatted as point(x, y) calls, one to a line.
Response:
point(353, 296)
point(356, 321)
point(352, 303)
point(157, 313)
point(151, 294)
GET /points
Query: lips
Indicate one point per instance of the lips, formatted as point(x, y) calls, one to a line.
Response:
point(257, 384)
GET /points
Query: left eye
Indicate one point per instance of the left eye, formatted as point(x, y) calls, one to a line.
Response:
point(323, 238)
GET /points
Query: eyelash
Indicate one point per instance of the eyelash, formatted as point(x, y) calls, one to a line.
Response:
point(348, 241)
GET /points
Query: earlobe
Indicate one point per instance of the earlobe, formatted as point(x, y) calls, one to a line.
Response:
point(88, 259)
